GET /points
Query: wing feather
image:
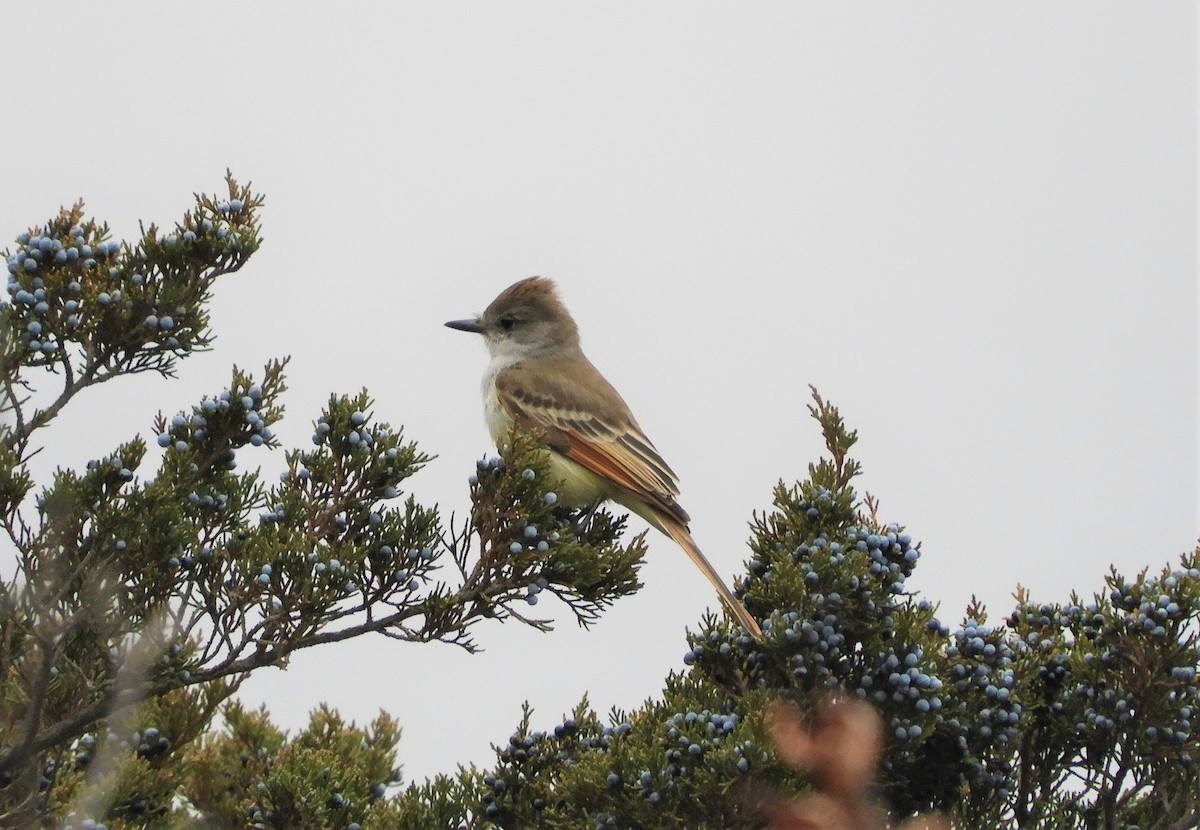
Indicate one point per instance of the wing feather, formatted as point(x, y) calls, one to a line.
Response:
point(590, 424)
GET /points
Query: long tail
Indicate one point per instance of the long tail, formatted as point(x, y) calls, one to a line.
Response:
point(683, 538)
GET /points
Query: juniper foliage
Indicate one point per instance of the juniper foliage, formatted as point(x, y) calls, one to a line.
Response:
point(140, 593)
point(141, 590)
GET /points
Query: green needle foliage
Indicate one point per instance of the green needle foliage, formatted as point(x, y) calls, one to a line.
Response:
point(140, 591)
point(1073, 715)
point(139, 599)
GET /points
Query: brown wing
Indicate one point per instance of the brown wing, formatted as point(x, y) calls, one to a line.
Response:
point(585, 419)
point(588, 422)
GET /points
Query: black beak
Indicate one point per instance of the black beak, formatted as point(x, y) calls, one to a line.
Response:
point(472, 325)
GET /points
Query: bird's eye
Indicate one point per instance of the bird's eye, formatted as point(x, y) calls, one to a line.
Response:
point(508, 322)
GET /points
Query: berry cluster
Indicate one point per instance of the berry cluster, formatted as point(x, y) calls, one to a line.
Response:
point(360, 543)
point(236, 416)
point(852, 579)
point(50, 278)
point(530, 538)
point(45, 277)
point(112, 465)
point(983, 661)
point(948, 700)
point(1158, 605)
point(356, 437)
point(903, 678)
point(492, 466)
point(410, 567)
point(531, 543)
point(130, 305)
point(51, 247)
point(689, 737)
point(150, 743)
point(528, 752)
point(84, 750)
point(525, 750)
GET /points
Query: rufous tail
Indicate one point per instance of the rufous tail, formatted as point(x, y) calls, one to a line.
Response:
point(683, 538)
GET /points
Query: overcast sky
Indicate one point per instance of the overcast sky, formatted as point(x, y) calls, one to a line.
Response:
point(972, 227)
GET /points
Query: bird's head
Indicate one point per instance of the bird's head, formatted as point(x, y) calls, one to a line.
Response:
point(527, 320)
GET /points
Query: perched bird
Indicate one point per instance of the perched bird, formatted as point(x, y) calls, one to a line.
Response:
point(539, 378)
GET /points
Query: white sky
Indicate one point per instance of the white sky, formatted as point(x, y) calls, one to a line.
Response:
point(972, 227)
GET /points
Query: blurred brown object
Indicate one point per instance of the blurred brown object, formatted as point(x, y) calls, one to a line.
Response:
point(839, 750)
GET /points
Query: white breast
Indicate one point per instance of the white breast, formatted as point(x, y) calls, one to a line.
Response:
point(498, 421)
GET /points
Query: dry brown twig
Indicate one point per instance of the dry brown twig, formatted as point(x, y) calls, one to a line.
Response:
point(839, 749)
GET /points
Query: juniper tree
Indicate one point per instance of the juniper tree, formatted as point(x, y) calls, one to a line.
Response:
point(137, 596)
point(1075, 714)
point(138, 600)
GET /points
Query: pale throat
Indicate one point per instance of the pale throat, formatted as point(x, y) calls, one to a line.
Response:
point(498, 421)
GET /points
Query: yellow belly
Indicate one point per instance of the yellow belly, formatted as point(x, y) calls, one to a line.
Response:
point(574, 484)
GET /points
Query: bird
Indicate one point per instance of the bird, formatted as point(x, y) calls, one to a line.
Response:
point(539, 378)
